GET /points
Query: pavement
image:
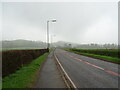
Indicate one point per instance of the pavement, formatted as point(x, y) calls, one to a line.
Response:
point(49, 75)
point(87, 72)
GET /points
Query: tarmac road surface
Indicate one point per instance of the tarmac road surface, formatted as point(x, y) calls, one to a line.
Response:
point(86, 72)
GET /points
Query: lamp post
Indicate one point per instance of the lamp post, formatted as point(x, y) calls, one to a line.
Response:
point(48, 44)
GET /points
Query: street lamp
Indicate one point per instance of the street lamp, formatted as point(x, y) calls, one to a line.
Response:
point(48, 44)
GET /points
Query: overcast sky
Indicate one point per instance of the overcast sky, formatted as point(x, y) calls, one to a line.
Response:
point(78, 22)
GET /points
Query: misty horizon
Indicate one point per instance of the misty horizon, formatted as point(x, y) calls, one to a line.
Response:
point(27, 44)
point(57, 41)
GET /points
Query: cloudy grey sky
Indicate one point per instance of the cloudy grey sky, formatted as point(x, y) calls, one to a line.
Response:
point(78, 22)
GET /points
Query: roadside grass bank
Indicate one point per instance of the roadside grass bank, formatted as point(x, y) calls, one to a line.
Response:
point(0, 83)
point(26, 76)
point(102, 57)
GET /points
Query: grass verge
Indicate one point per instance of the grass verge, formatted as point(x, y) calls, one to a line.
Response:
point(105, 58)
point(0, 83)
point(26, 76)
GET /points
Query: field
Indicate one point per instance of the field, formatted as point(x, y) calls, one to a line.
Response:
point(6, 49)
point(13, 60)
point(111, 55)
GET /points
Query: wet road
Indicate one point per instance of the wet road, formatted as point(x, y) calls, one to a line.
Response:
point(88, 72)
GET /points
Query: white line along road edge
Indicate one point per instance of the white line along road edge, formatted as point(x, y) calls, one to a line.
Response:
point(73, 85)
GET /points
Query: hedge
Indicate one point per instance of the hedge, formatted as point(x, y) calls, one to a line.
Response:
point(105, 52)
point(12, 60)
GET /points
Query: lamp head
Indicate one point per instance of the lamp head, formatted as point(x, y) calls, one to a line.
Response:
point(53, 20)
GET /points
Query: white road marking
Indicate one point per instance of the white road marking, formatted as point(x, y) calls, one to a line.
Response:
point(65, 73)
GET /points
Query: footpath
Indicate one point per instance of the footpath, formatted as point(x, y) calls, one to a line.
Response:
point(49, 75)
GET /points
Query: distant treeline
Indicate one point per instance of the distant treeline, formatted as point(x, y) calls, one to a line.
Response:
point(59, 44)
point(98, 46)
point(89, 46)
point(23, 44)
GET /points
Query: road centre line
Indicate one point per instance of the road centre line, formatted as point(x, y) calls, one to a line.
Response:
point(108, 71)
point(111, 72)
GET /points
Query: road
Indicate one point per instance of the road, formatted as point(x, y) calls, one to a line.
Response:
point(86, 72)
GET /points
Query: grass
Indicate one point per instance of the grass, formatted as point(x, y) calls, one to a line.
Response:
point(6, 49)
point(0, 83)
point(106, 58)
point(26, 76)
